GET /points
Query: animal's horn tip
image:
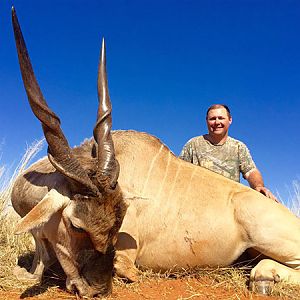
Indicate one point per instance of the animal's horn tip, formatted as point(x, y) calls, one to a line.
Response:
point(14, 16)
point(103, 48)
point(103, 51)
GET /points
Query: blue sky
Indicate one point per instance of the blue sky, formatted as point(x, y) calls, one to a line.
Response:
point(167, 62)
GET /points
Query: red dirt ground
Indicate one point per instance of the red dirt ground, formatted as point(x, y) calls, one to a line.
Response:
point(171, 289)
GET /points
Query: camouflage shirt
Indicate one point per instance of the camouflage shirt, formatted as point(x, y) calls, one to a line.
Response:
point(229, 159)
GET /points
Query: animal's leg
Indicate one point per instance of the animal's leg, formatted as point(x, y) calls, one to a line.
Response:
point(127, 247)
point(275, 232)
point(267, 272)
point(125, 268)
point(43, 258)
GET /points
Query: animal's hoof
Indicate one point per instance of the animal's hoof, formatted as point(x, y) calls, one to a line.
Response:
point(264, 287)
point(23, 275)
point(133, 277)
point(129, 277)
point(125, 268)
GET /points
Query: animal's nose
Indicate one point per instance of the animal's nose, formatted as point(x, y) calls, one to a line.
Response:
point(80, 287)
point(90, 292)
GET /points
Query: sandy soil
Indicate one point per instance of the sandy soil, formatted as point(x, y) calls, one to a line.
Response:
point(152, 288)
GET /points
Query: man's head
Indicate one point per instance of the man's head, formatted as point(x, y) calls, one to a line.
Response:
point(218, 120)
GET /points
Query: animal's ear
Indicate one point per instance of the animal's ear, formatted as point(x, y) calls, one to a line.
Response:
point(42, 212)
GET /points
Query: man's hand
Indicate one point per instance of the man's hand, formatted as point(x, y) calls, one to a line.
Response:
point(266, 192)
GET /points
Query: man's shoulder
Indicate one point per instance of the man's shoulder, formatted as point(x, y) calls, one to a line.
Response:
point(233, 141)
point(195, 140)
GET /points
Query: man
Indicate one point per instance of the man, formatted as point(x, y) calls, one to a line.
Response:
point(221, 153)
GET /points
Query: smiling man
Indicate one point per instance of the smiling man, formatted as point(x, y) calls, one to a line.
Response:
point(221, 153)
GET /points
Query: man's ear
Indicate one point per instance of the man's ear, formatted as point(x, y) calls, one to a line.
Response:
point(230, 120)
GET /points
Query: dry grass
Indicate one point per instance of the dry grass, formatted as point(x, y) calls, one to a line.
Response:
point(7, 183)
point(233, 279)
point(228, 277)
point(293, 202)
point(13, 247)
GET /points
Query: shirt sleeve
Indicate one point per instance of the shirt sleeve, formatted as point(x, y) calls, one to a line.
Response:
point(246, 162)
point(186, 153)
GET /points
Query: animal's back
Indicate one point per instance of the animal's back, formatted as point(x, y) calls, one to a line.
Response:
point(150, 170)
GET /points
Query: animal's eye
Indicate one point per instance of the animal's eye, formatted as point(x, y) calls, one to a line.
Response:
point(77, 229)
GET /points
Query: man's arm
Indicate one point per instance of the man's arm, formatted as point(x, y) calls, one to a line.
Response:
point(256, 182)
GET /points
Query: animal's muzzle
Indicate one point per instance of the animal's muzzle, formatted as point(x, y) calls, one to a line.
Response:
point(96, 270)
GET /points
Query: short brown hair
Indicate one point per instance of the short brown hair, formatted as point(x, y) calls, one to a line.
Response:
point(215, 106)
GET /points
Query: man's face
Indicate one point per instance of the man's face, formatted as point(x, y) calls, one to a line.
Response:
point(218, 121)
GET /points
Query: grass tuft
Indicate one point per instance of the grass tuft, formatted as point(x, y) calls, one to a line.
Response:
point(7, 184)
point(11, 245)
point(293, 202)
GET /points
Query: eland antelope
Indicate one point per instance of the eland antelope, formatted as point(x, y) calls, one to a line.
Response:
point(156, 211)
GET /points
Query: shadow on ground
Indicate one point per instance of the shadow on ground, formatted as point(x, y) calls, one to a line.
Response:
point(53, 277)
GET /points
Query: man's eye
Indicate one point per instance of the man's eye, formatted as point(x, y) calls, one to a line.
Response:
point(77, 229)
